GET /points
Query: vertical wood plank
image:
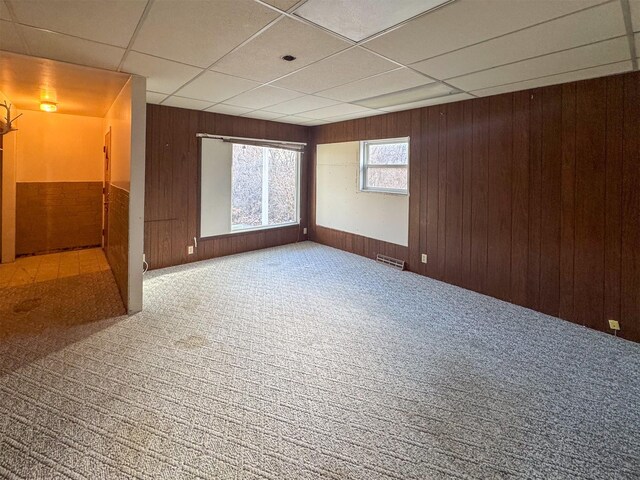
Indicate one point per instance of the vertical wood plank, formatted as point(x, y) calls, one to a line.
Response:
point(479, 194)
point(415, 188)
point(550, 200)
point(630, 274)
point(567, 207)
point(499, 197)
point(442, 191)
point(613, 197)
point(467, 182)
point(520, 198)
point(590, 201)
point(453, 194)
point(430, 128)
point(535, 186)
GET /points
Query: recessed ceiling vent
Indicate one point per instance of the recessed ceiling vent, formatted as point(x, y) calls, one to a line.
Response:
point(288, 58)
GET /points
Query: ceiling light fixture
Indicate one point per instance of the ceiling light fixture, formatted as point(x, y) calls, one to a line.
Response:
point(410, 95)
point(48, 107)
point(288, 58)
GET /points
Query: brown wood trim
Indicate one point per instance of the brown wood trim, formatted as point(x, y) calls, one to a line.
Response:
point(358, 244)
point(249, 232)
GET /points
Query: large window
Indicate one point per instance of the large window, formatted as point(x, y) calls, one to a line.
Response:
point(264, 187)
point(384, 165)
point(247, 184)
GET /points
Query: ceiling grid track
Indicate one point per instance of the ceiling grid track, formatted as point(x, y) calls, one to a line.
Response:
point(626, 12)
point(14, 19)
point(415, 58)
point(143, 17)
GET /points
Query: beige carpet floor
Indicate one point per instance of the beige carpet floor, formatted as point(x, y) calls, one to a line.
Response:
point(305, 362)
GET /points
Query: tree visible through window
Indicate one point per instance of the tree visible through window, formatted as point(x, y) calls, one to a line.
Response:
point(264, 188)
point(384, 165)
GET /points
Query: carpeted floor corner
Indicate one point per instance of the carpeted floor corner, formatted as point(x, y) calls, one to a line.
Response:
point(305, 362)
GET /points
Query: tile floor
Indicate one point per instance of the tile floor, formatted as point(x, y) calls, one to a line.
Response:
point(43, 268)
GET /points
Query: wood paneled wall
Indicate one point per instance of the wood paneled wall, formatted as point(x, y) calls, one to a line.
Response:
point(171, 180)
point(117, 249)
point(53, 216)
point(532, 197)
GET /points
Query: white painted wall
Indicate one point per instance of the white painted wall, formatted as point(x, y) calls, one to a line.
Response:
point(54, 147)
point(138, 86)
point(215, 190)
point(342, 206)
point(127, 119)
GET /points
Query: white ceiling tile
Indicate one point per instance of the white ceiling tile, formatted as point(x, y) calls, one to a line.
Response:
point(190, 103)
point(10, 40)
point(588, 26)
point(200, 32)
point(262, 97)
point(263, 115)
point(345, 67)
point(155, 97)
point(228, 109)
point(301, 104)
point(71, 49)
point(456, 97)
point(393, 81)
point(465, 22)
point(162, 75)
point(359, 19)
point(293, 119)
point(4, 12)
point(260, 59)
point(411, 95)
point(609, 51)
point(336, 110)
point(282, 4)
point(635, 14)
point(107, 21)
point(314, 122)
point(216, 87)
point(594, 72)
point(342, 118)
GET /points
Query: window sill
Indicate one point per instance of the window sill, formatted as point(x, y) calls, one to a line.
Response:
point(240, 232)
point(265, 227)
point(381, 190)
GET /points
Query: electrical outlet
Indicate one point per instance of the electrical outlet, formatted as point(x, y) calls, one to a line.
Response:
point(424, 258)
point(304, 231)
point(614, 325)
point(190, 249)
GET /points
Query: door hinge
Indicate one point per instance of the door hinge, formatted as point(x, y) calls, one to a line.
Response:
point(104, 149)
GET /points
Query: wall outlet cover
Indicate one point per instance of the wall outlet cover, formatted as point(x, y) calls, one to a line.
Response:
point(424, 258)
point(190, 249)
point(614, 325)
point(304, 231)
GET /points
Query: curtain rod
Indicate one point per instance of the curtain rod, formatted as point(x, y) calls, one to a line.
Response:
point(263, 140)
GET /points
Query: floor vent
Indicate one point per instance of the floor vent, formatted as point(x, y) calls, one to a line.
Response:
point(393, 262)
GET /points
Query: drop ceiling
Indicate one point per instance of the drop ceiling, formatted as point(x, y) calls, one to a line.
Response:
point(354, 58)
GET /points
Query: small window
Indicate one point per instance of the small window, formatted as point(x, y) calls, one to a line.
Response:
point(384, 165)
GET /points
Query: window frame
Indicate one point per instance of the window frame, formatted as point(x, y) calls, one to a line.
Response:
point(235, 230)
point(364, 165)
